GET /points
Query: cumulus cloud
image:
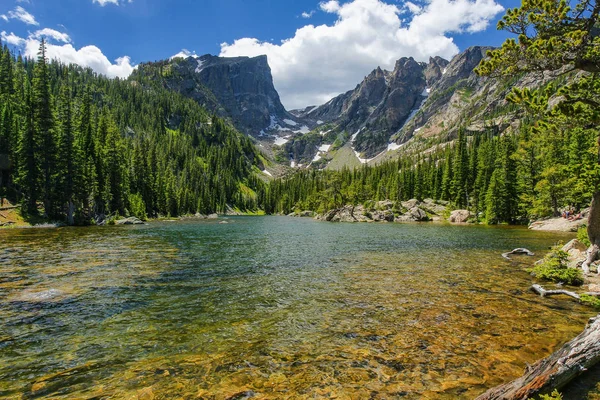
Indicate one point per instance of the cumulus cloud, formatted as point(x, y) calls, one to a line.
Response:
point(331, 6)
point(320, 62)
point(48, 33)
point(19, 13)
point(13, 39)
point(87, 56)
point(307, 14)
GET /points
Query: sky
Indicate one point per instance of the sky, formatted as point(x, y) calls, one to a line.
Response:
point(316, 49)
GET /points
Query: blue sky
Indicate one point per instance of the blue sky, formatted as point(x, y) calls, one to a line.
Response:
point(147, 30)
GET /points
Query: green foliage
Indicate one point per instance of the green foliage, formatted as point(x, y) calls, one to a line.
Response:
point(137, 207)
point(555, 395)
point(582, 236)
point(588, 300)
point(554, 268)
point(83, 147)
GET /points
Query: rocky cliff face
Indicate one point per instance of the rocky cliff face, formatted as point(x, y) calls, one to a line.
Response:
point(380, 105)
point(239, 88)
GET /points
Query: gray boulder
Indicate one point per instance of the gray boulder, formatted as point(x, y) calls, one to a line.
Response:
point(415, 214)
point(577, 253)
point(412, 203)
point(460, 216)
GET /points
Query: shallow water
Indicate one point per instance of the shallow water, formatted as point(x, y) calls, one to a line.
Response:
point(271, 307)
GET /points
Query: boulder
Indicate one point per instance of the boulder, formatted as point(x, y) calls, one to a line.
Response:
point(413, 215)
point(558, 224)
point(460, 216)
point(433, 207)
point(307, 214)
point(383, 216)
point(418, 215)
point(129, 221)
point(384, 205)
point(412, 203)
point(212, 216)
point(577, 253)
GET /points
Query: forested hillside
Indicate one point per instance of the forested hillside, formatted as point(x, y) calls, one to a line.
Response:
point(510, 178)
point(77, 146)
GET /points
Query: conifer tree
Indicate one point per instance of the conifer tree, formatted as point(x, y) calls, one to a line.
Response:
point(43, 124)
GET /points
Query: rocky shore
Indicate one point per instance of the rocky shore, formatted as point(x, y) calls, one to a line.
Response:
point(560, 224)
point(388, 211)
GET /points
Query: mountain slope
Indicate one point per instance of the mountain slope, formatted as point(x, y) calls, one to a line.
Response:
point(240, 89)
point(411, 109)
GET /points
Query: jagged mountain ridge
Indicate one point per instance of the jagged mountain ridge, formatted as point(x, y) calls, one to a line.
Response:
point(455, 97)
point(379, 106)
point(375, 121)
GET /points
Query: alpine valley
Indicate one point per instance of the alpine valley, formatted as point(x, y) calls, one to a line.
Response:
point(356, 249)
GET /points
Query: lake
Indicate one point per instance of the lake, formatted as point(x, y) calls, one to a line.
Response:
point(272, 307)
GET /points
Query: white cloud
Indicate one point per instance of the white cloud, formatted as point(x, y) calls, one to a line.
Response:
point(12, 39)
point(22, 15)
point(320, 62)
point(308, 14)
point(4, 17)
point(51, 34)
point(105, 2)
point(331, 6)
point(87, 56)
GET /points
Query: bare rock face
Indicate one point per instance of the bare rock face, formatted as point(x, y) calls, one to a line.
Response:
point(238, 88)
point(460, 216)
point(379, 106)
point(560, 224)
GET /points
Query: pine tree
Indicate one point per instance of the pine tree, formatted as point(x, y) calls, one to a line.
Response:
point(29, 169)
point(460, 171)
point(44, 130)
point(68, 158)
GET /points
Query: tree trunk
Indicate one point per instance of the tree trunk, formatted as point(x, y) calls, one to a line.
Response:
point(70, 212)
point(556, 371)
point(593, 229)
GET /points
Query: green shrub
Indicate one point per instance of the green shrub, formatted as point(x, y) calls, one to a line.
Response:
point(582, 236)
point(589, 300)
point(137, 206)
point(552, 396)
point(554, 268)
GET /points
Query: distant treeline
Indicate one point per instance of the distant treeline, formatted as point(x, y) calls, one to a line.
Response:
point(511, 178)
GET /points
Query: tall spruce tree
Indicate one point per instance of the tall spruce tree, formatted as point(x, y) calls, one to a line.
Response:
point(43, 124)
